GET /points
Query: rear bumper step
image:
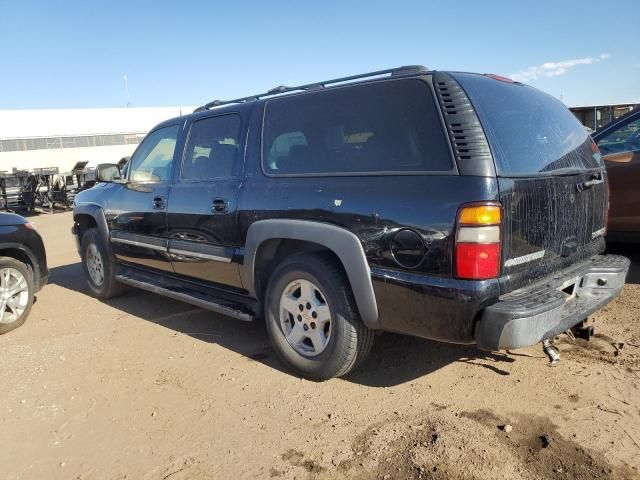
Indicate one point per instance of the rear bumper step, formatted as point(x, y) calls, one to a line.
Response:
point(532, 314)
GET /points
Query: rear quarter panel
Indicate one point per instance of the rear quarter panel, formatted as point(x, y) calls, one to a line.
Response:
point(374, 208)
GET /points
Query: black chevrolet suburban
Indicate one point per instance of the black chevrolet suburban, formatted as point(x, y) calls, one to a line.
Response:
point(453, 206)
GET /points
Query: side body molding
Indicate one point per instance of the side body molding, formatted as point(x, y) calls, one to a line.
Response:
point(342, 242)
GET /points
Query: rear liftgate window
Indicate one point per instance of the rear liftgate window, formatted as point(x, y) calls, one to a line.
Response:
point(381, 127)
point(530, 132)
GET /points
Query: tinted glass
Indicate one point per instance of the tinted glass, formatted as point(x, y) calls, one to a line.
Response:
point(213, 148)
point(381, 127)
point(152, 160)
point(625, 138)
point(530, 132)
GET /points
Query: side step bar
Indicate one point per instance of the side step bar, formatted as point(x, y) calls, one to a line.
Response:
point(194, 297)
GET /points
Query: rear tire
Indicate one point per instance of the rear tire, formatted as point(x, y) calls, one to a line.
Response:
point(312, 319)
point(16, 293)
point(99, 268)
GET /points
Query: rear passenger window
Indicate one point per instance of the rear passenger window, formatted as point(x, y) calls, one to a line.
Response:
point(213, 149)
point(380, 127)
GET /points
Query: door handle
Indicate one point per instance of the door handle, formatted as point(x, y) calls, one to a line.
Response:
point(594, 180)
point(219, 205)
point(158, 203)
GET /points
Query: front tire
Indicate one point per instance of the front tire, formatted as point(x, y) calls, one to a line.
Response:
point(312, 320)
point(99, 268)
point(16, 293)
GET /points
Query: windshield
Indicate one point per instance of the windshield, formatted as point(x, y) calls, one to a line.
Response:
point(530, 132)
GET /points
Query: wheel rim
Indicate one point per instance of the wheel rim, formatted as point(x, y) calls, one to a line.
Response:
point(14, 295)
point(95, 265)
point(305, 318)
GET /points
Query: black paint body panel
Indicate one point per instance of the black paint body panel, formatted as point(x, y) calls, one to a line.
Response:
point(192, 225)
point(431, 307)
point(374, 208)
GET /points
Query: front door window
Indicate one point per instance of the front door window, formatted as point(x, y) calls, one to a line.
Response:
point(151, 163)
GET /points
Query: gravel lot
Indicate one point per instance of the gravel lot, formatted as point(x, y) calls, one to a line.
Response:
point(143, 387)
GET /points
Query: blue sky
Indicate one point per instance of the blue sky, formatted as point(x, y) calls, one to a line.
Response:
point(74, 54)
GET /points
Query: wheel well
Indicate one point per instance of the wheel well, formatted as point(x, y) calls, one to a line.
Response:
point(271, 252)
point(21, 256)
point(83, 223)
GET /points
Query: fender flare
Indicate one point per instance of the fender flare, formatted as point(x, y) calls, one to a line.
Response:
point(340, 241)
point(95, 211)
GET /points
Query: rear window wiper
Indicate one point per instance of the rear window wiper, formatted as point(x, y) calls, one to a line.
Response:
point(545, 173)
point(566, 171)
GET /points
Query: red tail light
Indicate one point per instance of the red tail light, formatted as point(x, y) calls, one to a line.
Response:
point(477, 261)
point(477, 249)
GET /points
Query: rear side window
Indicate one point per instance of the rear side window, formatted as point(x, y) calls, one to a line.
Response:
point(380, 127)
point(213, 148)
point(530, 132)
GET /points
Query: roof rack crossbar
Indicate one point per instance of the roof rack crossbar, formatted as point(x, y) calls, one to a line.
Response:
point(315, 85)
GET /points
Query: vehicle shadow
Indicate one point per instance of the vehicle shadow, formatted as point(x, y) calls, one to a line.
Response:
point(395, 359)
point(38, 212)
point(632, 252)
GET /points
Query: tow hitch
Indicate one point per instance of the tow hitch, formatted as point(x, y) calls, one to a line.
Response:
point(583, 331)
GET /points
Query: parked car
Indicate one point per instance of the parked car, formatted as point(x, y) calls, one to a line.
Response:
point(23, 269)
point(458, 207)
point(619, 142)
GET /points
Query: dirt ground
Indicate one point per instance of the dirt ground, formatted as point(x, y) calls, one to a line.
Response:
point(143, 387)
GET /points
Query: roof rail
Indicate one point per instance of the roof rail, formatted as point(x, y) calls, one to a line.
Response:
point(407, 69)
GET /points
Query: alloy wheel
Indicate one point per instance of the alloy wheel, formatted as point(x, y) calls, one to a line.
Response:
point(95, 265)
point(305, 317)
point(14, 295)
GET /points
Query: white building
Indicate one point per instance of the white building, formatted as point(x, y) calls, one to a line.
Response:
point(59, 138)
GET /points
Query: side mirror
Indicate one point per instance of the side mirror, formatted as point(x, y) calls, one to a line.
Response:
point(108, 173)
point(622, 157)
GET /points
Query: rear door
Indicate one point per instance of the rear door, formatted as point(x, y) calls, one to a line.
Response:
point(136, 210)
point(621, 149)
point(550, 175)
point(203, 202)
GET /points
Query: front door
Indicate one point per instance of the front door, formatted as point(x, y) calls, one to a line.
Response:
point(137, 210)
point(203, 202)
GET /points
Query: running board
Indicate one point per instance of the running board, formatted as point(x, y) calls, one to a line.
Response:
point(194, 297)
